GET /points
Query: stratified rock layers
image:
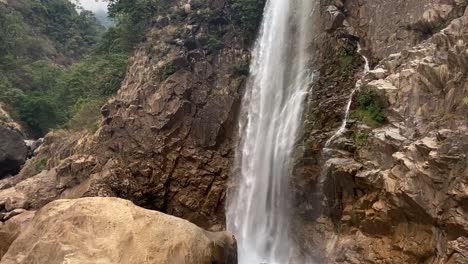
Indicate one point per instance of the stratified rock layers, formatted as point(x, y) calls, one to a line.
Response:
point(396, 192)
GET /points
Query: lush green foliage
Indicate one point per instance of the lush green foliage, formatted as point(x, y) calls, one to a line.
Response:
point(43, 28)
point(250, 13)
point(37, 82)
point(57, 66)
point(369, 107)
point(134, 17)
point(40, 112)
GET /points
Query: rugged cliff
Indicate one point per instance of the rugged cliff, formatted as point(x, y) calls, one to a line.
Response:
point(394, 182)
point(390, 189)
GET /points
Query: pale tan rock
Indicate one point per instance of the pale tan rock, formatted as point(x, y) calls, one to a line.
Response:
point(33, 192)
point(13, 213)
point(11, 229)
point(115, 231)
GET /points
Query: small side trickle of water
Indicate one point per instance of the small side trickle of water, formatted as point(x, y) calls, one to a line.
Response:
point(358, 85)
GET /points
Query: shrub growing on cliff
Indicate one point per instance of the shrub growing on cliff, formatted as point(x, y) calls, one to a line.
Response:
point(360, 138)
point(86, 114)
point(168, 70)
point(347, 56)
point(241, 69)
point(213, 42)
point(369, 107)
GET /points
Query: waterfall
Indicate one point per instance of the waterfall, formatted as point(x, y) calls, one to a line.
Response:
point(258, 203)
point(358, 85)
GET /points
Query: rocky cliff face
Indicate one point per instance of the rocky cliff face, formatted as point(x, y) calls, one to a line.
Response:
point(392, 191)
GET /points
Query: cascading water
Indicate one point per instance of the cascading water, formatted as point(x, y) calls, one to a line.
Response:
point(358, 85)
point(258, 205)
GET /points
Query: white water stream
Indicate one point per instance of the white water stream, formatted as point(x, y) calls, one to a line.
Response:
point(358, 85)
point(258, 202)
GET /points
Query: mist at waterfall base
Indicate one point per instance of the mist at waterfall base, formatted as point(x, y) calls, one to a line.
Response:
point(258, 204)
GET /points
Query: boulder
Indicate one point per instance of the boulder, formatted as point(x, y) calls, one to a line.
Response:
point(11, 229)
point(112, 230)
point(32, 192)
point(13, 151)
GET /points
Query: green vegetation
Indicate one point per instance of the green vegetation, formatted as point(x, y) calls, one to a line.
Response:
point(360, 138)
point(249, 14)
point(41, 39)
point(40, 112)
point(168, 70)
point(38, 29)
point(134, 18)
point(346, 57)
point(85, 114)
point(213, 42)
point(370, 109)
point(57, 66)
point(241, 69)
point(40, 164)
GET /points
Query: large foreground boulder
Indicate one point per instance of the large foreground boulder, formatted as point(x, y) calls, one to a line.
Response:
point(13, 151)
point(115, 231)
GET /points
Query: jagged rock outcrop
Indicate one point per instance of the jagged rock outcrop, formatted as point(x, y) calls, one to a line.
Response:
point(115, 231)
point(394, 192)
point(387, 27)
